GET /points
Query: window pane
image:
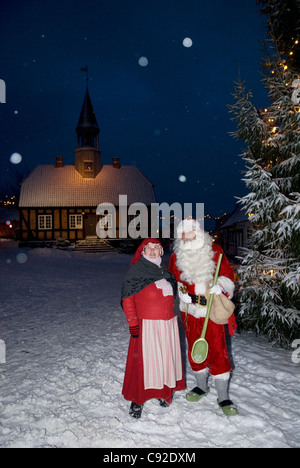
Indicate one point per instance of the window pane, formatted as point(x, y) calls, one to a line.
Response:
point(45, 221)
point(75, 221)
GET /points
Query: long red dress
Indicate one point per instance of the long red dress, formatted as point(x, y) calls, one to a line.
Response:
point(154, 365)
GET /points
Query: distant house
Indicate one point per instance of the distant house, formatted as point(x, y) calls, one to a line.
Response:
point(60, 201)
point(9, 222)
point(234, 231)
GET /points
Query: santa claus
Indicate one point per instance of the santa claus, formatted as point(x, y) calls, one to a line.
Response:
point(193, 264)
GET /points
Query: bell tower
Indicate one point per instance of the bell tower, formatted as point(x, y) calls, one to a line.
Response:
point(87, 154)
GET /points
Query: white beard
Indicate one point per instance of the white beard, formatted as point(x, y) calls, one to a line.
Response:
point(195, 259)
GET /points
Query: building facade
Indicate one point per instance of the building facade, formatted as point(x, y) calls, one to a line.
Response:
point(60, 201)
point(234, 232)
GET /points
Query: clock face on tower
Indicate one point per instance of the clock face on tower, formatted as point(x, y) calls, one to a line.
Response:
point(88, 165)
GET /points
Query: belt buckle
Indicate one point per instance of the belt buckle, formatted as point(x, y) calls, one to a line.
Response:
point(201, 299)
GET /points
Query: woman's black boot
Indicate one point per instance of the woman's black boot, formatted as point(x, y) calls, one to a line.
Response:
point(135, 410)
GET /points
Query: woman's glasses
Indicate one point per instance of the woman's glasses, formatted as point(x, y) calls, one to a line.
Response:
point(152, 247)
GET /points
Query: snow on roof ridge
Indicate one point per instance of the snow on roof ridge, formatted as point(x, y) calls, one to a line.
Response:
point(45, 186)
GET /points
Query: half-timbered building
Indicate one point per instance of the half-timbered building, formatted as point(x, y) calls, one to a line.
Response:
point(60, 201)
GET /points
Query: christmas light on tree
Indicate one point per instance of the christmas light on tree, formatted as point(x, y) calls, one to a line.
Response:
point(269, 293)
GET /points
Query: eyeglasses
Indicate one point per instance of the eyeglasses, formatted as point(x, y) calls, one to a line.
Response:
point(152, 247)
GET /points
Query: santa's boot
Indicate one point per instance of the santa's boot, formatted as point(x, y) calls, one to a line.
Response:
point(222, 385)
point(201, 390)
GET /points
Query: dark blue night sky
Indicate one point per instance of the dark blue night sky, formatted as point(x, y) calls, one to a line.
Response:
point(168, 117)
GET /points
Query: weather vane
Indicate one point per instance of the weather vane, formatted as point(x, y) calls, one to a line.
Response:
point(86, 70)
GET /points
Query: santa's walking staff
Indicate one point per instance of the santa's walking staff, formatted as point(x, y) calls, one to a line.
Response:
point(200, 347)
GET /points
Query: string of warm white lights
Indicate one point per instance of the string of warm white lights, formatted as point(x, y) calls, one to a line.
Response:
point(207, 216)
point(12, 201)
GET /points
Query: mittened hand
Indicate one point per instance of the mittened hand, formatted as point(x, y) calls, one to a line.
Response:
point(216, 290)
point(134, 331)
point(185, 297)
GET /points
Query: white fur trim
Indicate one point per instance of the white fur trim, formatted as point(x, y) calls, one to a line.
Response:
point(188, 225)
point(227, 284)
point(202, 371)
point(200, 288)
point(194, 310)
point(225, 376)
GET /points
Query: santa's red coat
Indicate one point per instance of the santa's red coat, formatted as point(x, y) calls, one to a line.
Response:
point(217, 360)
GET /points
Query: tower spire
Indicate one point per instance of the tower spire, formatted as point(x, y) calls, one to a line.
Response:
point(87, 128)
point(87, 154)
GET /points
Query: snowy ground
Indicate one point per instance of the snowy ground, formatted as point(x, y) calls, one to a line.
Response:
point(66, 345)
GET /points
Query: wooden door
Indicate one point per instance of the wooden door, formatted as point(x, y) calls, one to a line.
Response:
point(90, 225)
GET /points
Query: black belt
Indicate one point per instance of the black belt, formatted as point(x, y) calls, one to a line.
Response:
point(200, 300)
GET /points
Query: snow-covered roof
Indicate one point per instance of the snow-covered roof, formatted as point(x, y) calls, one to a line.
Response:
point(63, 186)
point(238, 215)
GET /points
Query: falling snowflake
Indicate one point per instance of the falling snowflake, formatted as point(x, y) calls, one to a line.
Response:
point(21, 257)
point(187, 42)
point(143, 61)
point(15, 158)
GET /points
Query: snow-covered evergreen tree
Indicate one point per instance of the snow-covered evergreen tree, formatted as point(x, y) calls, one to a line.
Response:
point(269, 293)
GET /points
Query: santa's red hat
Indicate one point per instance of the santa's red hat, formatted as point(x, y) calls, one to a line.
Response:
point(149, 240)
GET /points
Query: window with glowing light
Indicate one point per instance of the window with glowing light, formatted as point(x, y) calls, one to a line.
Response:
point(88, 165)
point(106, 222)
point(75, 221)
point(45, 222)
